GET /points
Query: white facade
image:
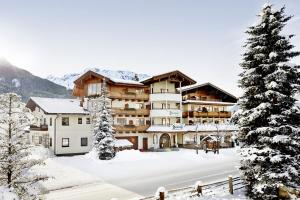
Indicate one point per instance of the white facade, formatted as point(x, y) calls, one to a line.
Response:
point(61, 132)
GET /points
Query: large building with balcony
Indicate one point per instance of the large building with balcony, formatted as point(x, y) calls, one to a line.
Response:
point(163, 111)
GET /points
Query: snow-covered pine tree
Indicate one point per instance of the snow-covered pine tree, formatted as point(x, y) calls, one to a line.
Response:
point(104, 141)
point(15, 164)
point(268, 117)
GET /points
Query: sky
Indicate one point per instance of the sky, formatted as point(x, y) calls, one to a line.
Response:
point(203, 39)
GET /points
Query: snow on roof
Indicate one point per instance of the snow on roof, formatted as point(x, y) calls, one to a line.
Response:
point(123, 143)
point(116, 80)
point(191, 87)
point(193, 128)
point(59, 106)
point(209, 102)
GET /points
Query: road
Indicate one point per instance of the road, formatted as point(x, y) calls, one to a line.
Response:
point(141, 177)
point(147, 184)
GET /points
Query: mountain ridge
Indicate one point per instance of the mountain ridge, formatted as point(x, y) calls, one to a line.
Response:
point(67, 80)
point(24, 83)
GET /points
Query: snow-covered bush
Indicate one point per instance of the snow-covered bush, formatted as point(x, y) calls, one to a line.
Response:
point(16, 176)
point(268, 118)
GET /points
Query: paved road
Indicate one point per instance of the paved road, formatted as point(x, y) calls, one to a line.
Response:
point(142, 177)
point(147, 184)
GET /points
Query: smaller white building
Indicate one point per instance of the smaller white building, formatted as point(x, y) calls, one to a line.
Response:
point(61, 125)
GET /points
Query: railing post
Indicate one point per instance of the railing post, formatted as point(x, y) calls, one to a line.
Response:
point(161, 196)
point(230, 184)
point(199, 187)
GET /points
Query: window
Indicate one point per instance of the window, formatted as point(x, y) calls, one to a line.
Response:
point(45, 121)
point(40, 140)
point(50, 142)
point(79, 120)
point(88, 120)
point(121, 121)
point(65, 142)
point(163, 106)
point(84, 142)
point(141, 121)
point(65, 121)
point(94, 88)
point(50, 122)
point(163, 121)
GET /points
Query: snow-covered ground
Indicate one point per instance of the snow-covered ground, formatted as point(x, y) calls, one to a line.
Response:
point(140, 172)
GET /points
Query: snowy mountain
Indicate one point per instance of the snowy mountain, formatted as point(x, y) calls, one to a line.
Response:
point(68, 79)
point(22, 82)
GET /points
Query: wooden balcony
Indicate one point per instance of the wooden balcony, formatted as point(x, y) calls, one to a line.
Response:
point(223, 114)
point(132, 128)
point(134, 96)
point(130, 111)
point(39, 128)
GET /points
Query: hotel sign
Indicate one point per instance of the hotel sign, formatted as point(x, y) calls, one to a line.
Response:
point(174, 113)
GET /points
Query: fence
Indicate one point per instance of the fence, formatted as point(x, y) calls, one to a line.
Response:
point(230, 185)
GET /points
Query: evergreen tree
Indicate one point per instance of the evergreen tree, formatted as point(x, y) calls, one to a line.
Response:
point(15, 163)
point(268, 117)
point(103, 131)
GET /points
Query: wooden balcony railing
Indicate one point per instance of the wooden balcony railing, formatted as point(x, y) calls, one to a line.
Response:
point(225, 114)
point(39, 128)
point(118, 95)
point(133, 128)
point(130, 111)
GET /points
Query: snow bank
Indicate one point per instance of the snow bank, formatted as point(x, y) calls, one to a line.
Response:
point(7, 194)
point(123, 156)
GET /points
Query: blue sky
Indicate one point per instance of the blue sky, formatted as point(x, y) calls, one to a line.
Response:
point(201, 38)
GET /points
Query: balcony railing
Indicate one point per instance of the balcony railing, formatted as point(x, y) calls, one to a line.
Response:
point(225, 114)
point(119, 95)
point(130, 111)
point(39, 128)
point(132, 128)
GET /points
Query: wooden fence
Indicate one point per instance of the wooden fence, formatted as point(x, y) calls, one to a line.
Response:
point(231, 185)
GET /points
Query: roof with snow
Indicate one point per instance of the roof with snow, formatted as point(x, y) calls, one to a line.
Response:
point(174, 76)
point(193, 128)
point(226, 95)
point(90, 74)
point(56, 106)
point(123, 143)
point(209, 102)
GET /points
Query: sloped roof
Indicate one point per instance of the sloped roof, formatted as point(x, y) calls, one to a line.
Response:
point(56, 106)
point(192, 87)
point(186, 80)
point(91, 73)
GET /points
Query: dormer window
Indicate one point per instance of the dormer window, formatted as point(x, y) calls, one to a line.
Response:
point(94, 89)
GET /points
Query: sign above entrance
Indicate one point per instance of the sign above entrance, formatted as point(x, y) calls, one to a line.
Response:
point(175, 113)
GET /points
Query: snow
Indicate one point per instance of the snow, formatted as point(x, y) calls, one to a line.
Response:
point(116, 75)
point(62, 106)
point(16, 82)
point(193, 128)
point(272, 55)
point(161, 190)
point(84, 169)
point(123, 143)
point(125, 81)
point(7, 194)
